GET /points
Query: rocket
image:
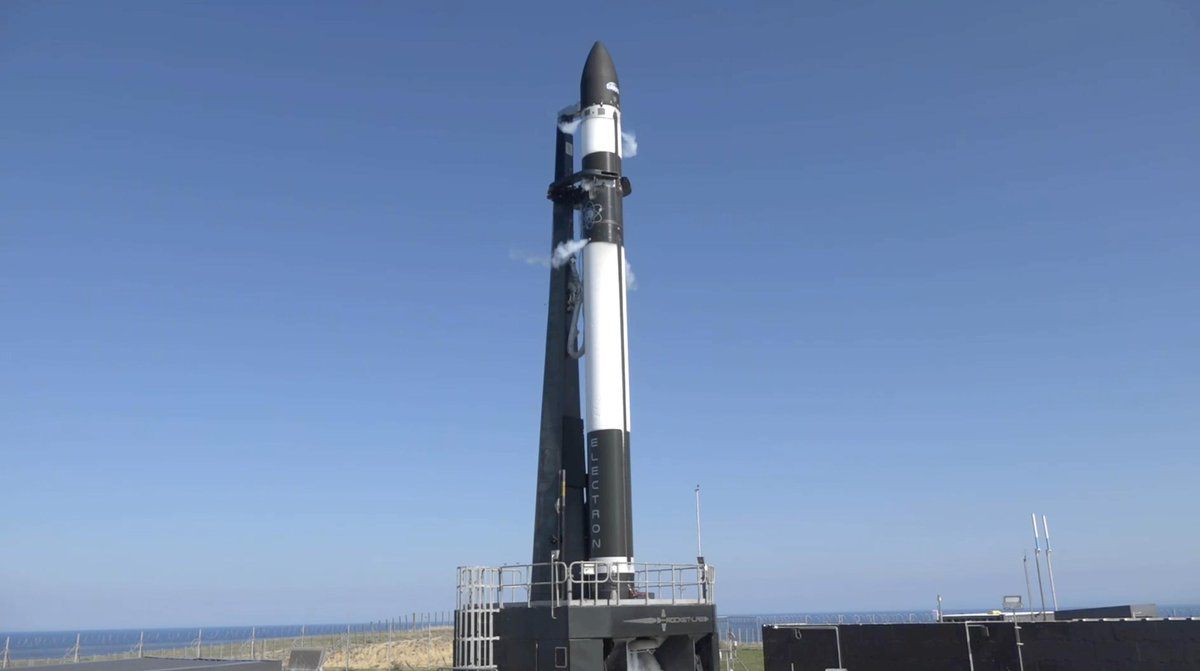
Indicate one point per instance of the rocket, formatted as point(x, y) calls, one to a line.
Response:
point(606, 332)
point(583, 511)
point(589, 608)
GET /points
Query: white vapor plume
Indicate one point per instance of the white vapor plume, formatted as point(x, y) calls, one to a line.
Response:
point(568, 126)
point(562, 254)
point(628, 144)
point(564, 251)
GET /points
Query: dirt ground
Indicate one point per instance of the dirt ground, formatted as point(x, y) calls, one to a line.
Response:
point(431, 650)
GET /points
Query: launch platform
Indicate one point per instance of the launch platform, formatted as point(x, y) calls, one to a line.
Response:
point(665, 621)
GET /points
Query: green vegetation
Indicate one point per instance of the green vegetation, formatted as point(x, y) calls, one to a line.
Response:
point(749, 658)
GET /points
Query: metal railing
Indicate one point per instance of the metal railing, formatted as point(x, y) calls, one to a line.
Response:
point(585, 583)
point(603, 584)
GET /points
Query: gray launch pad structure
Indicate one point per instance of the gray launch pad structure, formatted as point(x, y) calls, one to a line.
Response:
point(583, 603)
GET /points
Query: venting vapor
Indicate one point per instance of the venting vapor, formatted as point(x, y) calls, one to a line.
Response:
point(565, 250)
point(629, 142)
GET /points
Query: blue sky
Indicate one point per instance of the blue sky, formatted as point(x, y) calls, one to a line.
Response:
point(907, 272)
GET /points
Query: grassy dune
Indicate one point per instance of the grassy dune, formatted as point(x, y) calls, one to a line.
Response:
point(417, 652)
point(400, 651)
point(749, 658)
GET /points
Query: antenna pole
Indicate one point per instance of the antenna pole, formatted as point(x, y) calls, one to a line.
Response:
point(1037, 552)
point(1028, 589)
point(699, 549)
point(1049, 564)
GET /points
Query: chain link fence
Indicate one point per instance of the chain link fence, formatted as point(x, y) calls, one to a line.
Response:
point(413, 641)
point(747, 629)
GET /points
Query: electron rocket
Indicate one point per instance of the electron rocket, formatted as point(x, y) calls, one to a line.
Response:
point(606, 332)
point(583, 511)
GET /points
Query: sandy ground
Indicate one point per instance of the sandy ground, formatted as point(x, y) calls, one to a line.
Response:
point(428, 651)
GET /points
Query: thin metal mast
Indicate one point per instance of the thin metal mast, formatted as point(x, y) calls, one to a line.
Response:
point(1049, 564)
point(1025, 565)
point(699, 549)
point(1037, 551)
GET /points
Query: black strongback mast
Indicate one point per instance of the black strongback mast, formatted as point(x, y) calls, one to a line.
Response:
point(558, 525)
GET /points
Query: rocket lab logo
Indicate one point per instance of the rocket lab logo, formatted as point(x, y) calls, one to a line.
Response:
point(592, 212)
point(664, 620)
point(612, 86)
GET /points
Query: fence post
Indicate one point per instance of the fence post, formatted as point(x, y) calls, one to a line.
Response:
point(6, 642)
point(141, 644)
point(199, 641)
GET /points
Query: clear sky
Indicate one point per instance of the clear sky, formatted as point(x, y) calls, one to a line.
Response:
point(907, 272)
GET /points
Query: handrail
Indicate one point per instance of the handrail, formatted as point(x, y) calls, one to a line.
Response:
point(587, 583)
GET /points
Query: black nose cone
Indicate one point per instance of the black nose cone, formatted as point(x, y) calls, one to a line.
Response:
point(599, 83)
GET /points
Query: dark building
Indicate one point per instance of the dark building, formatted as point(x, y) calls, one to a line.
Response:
point(1109, 645)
